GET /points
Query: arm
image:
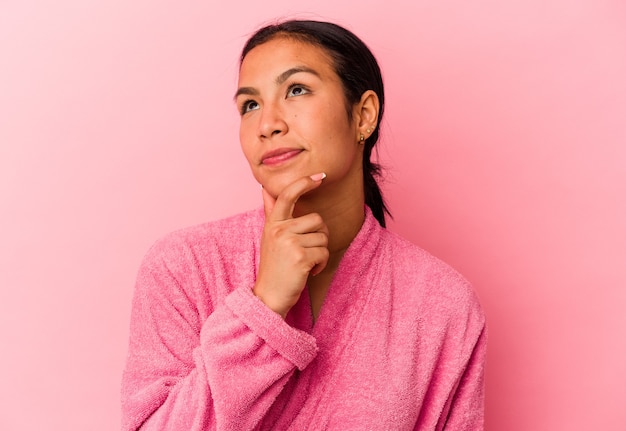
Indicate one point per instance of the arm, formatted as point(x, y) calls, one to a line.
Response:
point(223, 373)
point(467, 407)
point(226, 372)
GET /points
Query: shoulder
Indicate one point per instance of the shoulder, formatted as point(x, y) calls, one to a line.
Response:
point(201, 264)
point(428, 282)
point(226, 231)
point(216, 238)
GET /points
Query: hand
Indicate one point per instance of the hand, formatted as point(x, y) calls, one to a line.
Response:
point(291, 248)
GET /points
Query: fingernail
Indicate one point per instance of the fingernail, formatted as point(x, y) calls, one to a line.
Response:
point(318, 177)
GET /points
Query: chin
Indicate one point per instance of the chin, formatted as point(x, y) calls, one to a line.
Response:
point(275, 186)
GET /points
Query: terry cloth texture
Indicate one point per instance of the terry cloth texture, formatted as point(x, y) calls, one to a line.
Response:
point(399, 344)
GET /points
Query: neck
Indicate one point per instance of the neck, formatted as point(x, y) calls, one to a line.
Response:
point(343, 212)
point(343, 217)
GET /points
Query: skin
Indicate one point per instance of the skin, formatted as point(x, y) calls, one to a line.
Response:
point(293, 110)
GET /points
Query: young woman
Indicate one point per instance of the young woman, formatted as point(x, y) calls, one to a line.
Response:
point(307, 313)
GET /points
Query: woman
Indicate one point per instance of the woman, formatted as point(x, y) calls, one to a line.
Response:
point(306, 314)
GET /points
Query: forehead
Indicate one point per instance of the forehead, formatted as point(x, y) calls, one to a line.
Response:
point(275, 56)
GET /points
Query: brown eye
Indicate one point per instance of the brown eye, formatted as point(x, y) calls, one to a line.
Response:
point(297, 90)
point(249, 105)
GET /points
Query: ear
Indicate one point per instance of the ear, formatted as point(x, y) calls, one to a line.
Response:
point(366, 114)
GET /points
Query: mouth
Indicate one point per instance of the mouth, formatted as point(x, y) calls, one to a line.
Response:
point(279, 156)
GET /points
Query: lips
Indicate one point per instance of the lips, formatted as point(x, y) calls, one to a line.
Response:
point(279, 156)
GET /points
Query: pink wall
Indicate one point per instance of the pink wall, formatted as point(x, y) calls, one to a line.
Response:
point(506, 146)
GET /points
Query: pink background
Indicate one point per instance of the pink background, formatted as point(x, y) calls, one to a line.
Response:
point(505, 141)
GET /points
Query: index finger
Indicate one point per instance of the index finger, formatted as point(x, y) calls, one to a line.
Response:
point(286, 200)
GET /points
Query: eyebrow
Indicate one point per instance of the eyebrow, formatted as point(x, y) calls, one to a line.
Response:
point(280, 79)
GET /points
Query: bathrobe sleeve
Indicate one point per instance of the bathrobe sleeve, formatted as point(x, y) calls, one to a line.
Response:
point(220, 374)
point(465, 407)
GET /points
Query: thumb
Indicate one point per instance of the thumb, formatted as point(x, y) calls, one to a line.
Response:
point(268, 202)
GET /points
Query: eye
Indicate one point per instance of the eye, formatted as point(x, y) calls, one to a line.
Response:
point(297, 90)
point(248, 105)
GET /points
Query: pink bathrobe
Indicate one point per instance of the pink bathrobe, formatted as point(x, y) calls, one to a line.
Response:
point(399, 344)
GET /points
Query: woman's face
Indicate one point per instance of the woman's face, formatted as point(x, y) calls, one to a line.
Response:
point(294, 121)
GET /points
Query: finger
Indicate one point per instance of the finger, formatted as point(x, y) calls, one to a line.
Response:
point(313, 239)
point(286, 200)
point(307, 223)
point(268, 202)
point(320, 256)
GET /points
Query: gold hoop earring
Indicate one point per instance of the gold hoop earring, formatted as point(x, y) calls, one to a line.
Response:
point(361, 137)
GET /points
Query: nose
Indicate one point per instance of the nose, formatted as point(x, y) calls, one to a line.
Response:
point(272, 121)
